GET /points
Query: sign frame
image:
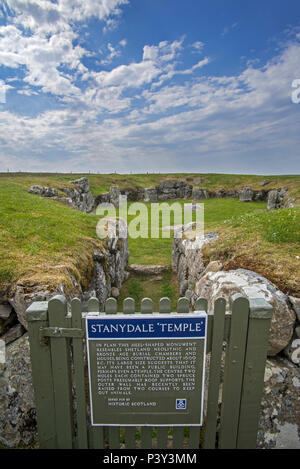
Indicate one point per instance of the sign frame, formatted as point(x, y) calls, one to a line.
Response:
point(146, 336)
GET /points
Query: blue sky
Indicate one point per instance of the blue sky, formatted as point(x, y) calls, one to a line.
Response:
point(158, 86)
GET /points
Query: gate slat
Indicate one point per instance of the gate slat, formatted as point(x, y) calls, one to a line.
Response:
point(146, 438)
point(194, 438)
point(60, 355)
point(178, 435)
point(162, 437)
point(255, 361)
point(130, 435)
point(114, 437)
point(233, 374)
point(96, 437)
point(37, 317)
point(79, 379)
point(214, 373)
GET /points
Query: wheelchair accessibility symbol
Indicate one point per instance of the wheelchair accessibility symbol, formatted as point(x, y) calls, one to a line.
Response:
point(180, 404)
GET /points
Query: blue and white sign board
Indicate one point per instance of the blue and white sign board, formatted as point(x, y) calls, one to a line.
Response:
point(147, 369)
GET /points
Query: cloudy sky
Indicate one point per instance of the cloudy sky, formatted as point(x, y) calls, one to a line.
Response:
point(150, 85)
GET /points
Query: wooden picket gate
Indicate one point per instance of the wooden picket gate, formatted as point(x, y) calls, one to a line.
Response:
point(58, 351)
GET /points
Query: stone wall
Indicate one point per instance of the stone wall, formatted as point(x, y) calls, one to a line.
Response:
point(279, 425)
point(17, 410)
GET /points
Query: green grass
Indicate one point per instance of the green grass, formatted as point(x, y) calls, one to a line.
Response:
point(144, 286)
point(35, 232)
point(158, 251)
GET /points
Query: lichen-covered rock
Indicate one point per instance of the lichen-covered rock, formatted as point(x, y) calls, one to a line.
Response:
point(279, 416)
point(114, 194)
point(43, 191)
point(17, 408)
point(199, 193)
point(150, 194)
point(227, 283)
point(187, 259)
point(80, 197)
point(246, 194)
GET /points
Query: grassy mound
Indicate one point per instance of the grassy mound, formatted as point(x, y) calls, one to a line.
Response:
point(266, 242)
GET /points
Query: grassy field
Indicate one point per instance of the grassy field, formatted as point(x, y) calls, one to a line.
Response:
point(100, 183)
point(36, 233)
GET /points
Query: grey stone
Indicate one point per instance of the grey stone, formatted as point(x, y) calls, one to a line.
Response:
point(199, 194)
point(226, 283)
point(295, 302)
point(273, 200)
point(13, 333)
point(115, 292)
point(246, 194)
point(292, 351)
point(5, 311)
point(147, 269)
point(82, 184)
point(114, 193)
point(150, 194)
point(17, 408)
point(43, 191)
point(279, 414)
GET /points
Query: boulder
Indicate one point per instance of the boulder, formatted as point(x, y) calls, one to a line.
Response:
point(246, 194)
point(80, 197)
point(150, 194)
point(82, 184)
point(273, 200)
point(248, 283)
point(17, 408)
point(43, 191)
point(187, 257)
point(199, 194)
point(114, 194)
point(279, 198)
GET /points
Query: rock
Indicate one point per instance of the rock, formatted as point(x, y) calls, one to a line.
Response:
point(213, 266)
point(292, 351)
point(50, 192)
point(279, 416)
point(295, 302)
point(147, 269)
point(150, 194)
point(187, 258)
point(115, 292)
point(6, 324)
point(5, 311)
point(38, 190)
point(82, 184)
point(278, 198)
point(246, 194)
point(265, 182)
point(17, 408)
point(13, 333)
point(199, 193)
point(273, 200)
point(214, 285)
point(114, 194)
point(80, 197)
point(43, 191)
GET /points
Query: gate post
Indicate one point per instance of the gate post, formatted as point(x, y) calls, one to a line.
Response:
point(255, 360)
point(37, 318)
